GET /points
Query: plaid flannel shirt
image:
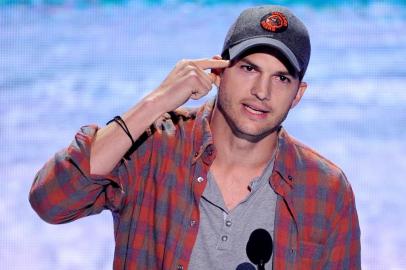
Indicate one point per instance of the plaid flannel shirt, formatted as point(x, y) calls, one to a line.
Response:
point(154, 198)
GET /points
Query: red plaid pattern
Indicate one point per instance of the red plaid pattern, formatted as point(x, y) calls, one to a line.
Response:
point(154, 198)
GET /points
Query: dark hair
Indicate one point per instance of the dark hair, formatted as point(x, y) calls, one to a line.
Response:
point(268, 50)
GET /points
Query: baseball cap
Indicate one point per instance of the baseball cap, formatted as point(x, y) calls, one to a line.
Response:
point(270, 26)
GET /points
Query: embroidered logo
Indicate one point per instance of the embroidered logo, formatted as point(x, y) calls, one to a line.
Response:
point(274, 22)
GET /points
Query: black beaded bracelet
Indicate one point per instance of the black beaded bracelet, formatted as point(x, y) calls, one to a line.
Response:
point(123, 126)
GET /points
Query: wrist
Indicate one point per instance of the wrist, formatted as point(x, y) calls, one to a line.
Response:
point(158, 103)
point(144, 113)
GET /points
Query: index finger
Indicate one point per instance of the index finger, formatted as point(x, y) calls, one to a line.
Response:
point(211, 63)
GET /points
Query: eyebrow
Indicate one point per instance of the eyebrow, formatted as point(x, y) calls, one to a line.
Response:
point(285, 73)
point(250, 63)
point(280, 72)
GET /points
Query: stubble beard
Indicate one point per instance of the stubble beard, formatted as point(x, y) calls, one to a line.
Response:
point(224, 106)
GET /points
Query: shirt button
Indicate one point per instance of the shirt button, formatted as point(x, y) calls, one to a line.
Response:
point(180, 267)
point(192, 223)
point(210, 150)
point(228, 223)
point(224, 238)
point(290, 177)
point(196, 154)
point(200, 179)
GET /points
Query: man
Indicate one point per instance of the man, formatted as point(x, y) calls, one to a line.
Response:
point(208, 188)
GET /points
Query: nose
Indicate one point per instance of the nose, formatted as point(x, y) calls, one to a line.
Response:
point(262, 88)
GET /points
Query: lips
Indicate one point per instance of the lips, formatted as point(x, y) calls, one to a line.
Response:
point(255, 109)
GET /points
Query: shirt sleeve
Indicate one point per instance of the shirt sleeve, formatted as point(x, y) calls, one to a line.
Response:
point(65, 190)
point(343, 244)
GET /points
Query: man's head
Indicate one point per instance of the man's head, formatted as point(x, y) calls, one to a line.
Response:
point(269, 49)
point(274, 27)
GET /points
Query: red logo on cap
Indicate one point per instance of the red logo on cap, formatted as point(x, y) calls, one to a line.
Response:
point(274, 22)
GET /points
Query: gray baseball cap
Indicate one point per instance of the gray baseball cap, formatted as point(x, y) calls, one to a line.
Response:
point(271, 26)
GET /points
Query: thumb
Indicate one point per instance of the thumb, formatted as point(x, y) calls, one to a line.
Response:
point(215, 78)
point(215, 72)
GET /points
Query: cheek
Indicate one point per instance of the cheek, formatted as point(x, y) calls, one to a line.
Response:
point(232, 77)
point(284, 97)
point(233, 86)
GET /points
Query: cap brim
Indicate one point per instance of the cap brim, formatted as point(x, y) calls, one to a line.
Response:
point(241, 47)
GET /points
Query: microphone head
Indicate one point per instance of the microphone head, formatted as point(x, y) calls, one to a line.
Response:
point(259, 247)
point(245, 266)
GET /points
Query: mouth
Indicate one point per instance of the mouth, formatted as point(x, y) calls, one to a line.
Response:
point(255, 110)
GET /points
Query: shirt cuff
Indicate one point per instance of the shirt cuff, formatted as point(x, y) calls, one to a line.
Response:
point(79, 153)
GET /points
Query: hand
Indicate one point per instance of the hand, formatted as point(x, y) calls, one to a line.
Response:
point(188, 80)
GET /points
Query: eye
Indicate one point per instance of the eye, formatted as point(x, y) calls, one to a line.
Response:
point(283, 78)
point(248, 68)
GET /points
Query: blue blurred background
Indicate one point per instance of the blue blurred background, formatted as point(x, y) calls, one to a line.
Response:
point(67, 63)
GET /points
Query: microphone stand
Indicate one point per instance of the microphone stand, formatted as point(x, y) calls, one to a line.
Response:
point(261, 265)
point(259, 248)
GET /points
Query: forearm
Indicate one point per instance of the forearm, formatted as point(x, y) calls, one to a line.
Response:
point(111, 142)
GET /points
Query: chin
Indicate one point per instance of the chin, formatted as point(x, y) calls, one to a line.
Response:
point(253, 134)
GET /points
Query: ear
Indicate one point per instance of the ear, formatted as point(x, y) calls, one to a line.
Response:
point(299, 94)
point(217, 71)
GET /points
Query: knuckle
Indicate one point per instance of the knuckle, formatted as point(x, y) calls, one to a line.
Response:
point(189, 68)
point(193, 74)
point(184, 62)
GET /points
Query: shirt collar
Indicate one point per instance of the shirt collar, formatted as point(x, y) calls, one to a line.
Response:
point(286, 163)
point(203, 138)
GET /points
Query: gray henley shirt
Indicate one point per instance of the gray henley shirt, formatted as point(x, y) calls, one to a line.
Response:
point(223, 235)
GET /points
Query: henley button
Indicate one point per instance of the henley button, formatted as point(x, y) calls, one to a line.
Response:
point(228, 223)
point(196, 154)
point(224, 238)
point(192, 223)
point(200, 179)
point(180, 267)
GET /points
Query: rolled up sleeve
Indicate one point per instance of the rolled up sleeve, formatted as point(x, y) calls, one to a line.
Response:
point(65, 190)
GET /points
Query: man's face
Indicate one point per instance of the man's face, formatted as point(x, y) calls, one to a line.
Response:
point(256, 94)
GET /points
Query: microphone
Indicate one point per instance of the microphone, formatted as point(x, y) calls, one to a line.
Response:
point(259, 248)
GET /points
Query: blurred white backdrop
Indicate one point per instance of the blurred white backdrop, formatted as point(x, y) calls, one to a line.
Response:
point(63, 66)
